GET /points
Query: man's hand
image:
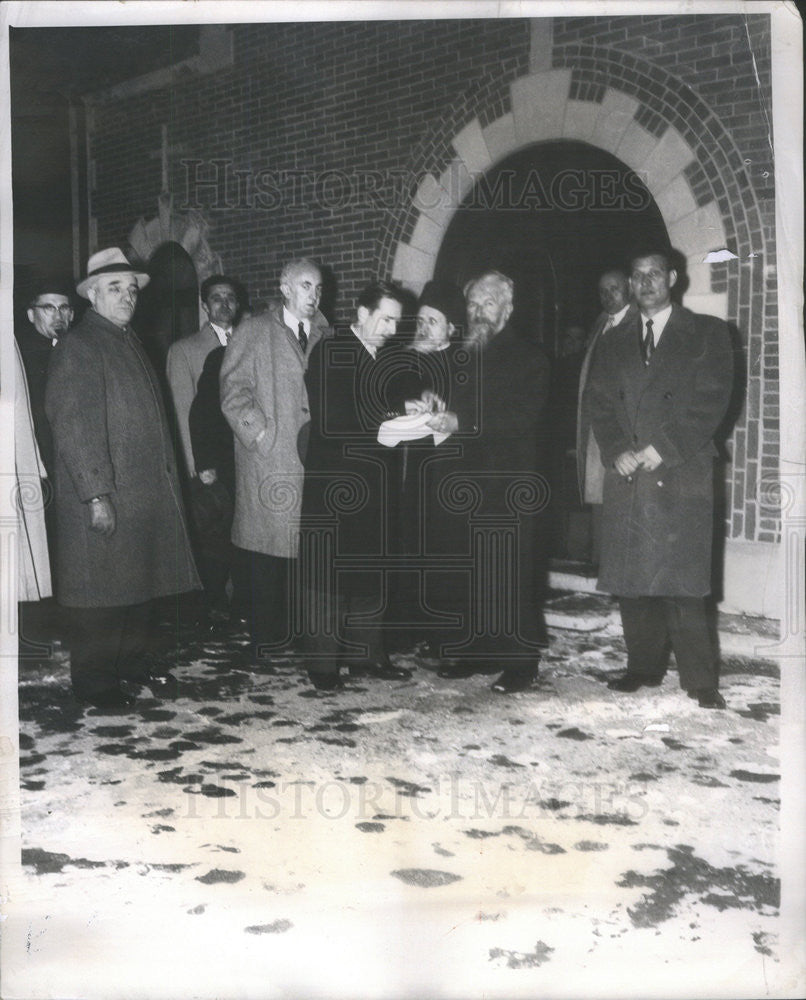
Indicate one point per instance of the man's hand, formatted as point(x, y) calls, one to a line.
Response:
point(648, 458)
point(102, 516)
point(627, 463)
point(444, 423)
point(208, 476)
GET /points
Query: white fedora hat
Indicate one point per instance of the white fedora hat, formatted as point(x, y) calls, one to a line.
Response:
point(110, 261)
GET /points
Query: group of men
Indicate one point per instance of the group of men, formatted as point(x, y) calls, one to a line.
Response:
point(307, 464)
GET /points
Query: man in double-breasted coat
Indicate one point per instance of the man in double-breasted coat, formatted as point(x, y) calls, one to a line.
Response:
point(122, 538)
point(658, 391)
point(264, 400)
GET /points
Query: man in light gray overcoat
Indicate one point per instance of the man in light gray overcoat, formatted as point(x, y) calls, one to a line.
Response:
point(264, 399)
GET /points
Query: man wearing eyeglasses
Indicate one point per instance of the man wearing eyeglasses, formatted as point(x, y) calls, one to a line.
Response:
point(50, 313)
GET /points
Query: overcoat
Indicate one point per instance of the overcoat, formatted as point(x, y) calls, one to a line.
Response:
point(263, 388)
point(33, 567)
point(590, 471)
point(36, 352)
point(496, 483)
point(183, 367)
point(347, 472)
point(111, 437)
point(657, 527)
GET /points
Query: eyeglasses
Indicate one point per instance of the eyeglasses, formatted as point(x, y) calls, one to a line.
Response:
point(50, 310)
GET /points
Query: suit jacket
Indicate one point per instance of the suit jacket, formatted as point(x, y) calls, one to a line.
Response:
point(657, 526)
point(210, 434)
point(263, 392)
point(184, 365)
point(590, 471)
point(111, 436)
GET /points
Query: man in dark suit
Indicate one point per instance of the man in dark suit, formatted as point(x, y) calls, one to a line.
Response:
point(614, 295)
point(220, 300)
point(345, 498)
point(50, 313)
point(186, 357)
point(659, 389)
point(497, 490)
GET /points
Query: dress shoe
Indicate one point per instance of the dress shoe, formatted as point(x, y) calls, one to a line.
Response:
point(710, 698)
point(163, 685)
point(113, 700)
point(632, 682)
point(325, 682)
point(514, 679)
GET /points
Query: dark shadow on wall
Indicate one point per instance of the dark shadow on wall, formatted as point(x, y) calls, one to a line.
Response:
point(725, 459)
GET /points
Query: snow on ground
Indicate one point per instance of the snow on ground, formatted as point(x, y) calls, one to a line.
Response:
point(255, 838)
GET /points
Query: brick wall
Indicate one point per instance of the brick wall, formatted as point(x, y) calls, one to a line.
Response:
point(320, 119)
point(312, 143)
point(700, 75)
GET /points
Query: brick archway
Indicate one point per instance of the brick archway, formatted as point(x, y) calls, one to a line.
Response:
point(560, 104)
point(660, 128)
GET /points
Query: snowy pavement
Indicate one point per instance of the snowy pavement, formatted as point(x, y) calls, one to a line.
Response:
point(256, 838)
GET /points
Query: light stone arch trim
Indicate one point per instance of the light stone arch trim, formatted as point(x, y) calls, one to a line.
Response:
point(543, 110)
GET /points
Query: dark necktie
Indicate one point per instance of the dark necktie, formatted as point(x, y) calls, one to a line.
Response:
point(303, 337)
point(649, 342)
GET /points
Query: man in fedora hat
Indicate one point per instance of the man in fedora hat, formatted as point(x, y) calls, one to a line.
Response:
point(122, 538)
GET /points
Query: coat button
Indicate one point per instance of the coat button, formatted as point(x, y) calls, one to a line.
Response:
point(667, 395)
point(660, 482)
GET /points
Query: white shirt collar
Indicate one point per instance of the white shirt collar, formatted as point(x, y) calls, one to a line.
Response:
point(293, 322)
point(221, 333)
point(659, 321)
point(616, 318)
point(372, 351)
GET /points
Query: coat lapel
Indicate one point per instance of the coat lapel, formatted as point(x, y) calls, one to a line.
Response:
point(672, 351)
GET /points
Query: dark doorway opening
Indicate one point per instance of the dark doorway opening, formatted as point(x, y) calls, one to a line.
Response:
point(554, 216)
point(168, 307)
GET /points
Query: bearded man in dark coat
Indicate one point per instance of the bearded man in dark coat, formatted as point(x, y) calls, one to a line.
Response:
point(122, 537)
point(659, 389)
point(496, 494)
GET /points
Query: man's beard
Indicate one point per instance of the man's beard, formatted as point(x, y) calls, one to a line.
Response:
point(480, 331)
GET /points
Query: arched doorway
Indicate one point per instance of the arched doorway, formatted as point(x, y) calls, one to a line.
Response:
point(553, 216)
